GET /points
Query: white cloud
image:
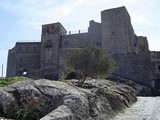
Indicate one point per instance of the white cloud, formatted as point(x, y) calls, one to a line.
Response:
point(36, 11)
point(140, 19)
point(33, 12)
point(127, 2)
point(77, 13)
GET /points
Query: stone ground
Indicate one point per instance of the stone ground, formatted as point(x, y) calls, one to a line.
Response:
point(146, 108)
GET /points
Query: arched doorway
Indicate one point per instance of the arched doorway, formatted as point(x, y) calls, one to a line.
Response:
point(72, 75)
point(23, 71)
point(157, 87)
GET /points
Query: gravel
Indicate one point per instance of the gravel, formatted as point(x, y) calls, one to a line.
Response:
point(146, 108)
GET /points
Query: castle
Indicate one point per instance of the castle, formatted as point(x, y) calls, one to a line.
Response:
point(114, 35)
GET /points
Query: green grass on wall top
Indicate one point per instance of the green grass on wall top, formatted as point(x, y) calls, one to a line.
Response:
point(11, 80)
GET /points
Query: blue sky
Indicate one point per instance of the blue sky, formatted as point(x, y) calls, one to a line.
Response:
point(21, 20)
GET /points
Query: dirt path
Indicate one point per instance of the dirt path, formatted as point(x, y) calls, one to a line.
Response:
point(146, 108)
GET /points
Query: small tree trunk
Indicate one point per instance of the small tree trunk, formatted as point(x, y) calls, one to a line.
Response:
point(81, 81)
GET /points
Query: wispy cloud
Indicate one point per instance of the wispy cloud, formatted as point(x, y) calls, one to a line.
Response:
point(37, 12)
point(34, 13)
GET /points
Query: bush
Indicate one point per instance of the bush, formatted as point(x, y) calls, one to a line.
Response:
point(90, 62)
point(23, 115)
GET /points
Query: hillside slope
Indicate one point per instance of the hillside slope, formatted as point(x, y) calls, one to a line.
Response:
point(56, 100)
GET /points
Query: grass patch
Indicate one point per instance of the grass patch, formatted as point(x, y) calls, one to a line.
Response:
point(114, 99)
point(9, 81)
point(23, 115)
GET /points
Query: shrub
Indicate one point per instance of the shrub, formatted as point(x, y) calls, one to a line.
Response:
point(90, 62)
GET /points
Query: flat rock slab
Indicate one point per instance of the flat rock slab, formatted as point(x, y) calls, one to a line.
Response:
point(57, 100)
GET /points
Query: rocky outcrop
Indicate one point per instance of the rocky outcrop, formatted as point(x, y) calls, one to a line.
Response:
point(141, 90)
point(56, 100)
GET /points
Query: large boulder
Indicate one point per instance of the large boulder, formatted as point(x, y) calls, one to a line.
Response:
point(56, 100)
point(141, 90)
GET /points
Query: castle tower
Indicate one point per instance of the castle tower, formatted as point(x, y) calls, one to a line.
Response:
point(50, 42)
point(117, 32)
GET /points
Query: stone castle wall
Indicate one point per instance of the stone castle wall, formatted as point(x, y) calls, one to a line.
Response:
point(114, 34)
point(134, 66)
point(55, 28)
point(11, 63)
point(82, 40)
point(95, 33)
point(155, 73)
point(75, 41)
point(23, 56)
point(117, 32)
point(49, 50)
point(142, 44)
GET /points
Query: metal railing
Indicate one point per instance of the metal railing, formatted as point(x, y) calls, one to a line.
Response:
point(77, 32)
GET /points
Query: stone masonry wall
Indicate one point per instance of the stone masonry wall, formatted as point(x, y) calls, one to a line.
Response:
point(95, 33)
point(11, 63)
point(50, 53)
point(117, 32)
point(136, 67)
point(142, 43)
point(23, 56)
point(75, 41)
point(114, 35)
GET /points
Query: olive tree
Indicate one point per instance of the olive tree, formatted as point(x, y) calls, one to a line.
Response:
point(90, 62)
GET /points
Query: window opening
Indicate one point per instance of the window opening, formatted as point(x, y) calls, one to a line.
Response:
point(27, 48)
point(49, 43)
point(20, 48)
point(159, 68)
point(21, 59)
point(66, 42)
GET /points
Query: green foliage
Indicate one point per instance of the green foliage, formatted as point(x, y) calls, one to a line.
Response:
point(24, 112)
point(9, 81)
point(90, 62)
point(113, 98)
point(1, 110)
point(23, 115)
